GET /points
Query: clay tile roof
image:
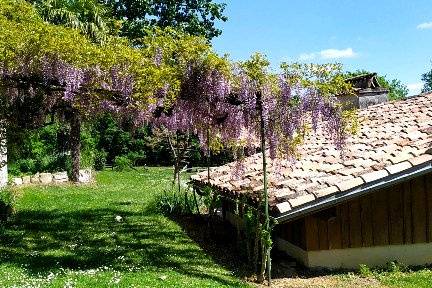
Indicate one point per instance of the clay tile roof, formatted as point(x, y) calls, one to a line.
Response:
point(393, 137)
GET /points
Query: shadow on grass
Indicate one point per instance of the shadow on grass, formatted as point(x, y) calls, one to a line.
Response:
point(219, 243)
point(224, 250)
point(42, 241)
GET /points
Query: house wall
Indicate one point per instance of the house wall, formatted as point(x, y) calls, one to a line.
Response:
point(400, 215)
point(350, 258)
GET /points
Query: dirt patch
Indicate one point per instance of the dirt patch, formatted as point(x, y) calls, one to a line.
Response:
point(326, 281)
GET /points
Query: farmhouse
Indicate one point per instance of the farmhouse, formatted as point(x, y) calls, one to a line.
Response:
point(371, 205)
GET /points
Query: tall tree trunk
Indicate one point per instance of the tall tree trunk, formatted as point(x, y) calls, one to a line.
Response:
point(75, 142)
point(3, 154)
point(265, 192)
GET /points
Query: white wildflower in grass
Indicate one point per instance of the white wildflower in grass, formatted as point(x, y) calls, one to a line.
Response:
point(118, 218)
point(50, 276)
point(163, 277)
point(91, 272)
point(116, 278)
point(69, 283)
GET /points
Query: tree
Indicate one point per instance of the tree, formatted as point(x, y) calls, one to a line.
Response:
point(53, 69)
point(427, 79)
point(397, 90)
point(50, 69)
point(88, 16)
point(196, 17)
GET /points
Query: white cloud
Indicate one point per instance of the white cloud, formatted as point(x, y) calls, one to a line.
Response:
point(415, 88)
point(426, 25)
point(328, 54)
point(307, 56)
point(336, 54)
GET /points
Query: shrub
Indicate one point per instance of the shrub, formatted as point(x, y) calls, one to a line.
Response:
point(395, 266)
point(7, 201)
point(45, 163)
point(365, 271)
point(100, 160)
point(171, 202)
point(122, 163)
point(13, 170)
point(53, 163)
point(136, 158)
point(26, 166)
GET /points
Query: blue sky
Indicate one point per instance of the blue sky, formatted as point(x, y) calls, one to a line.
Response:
point(392, 38)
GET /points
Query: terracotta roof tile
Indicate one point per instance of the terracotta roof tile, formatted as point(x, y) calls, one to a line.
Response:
point(349, 184)
point(326, 191)
point(396, 168)
point(283, 207)
point(420, 159)
point(374, 175)
point(392, 137)
point(306, 198)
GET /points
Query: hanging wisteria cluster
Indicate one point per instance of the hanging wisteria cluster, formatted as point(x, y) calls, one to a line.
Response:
point(57, 81)
point(230, 108)
point(288, 109)
point(203, 106)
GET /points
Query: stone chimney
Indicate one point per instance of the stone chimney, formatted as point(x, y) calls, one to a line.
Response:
point(367, 92)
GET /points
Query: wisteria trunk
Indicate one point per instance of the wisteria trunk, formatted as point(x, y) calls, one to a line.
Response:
point(266, 250)
point(75, 133)
point(3, 154)
point(208, 156)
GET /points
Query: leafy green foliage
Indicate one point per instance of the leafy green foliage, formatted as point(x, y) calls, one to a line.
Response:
point(24, 35)
point(7, 196)
point(45, 149)
point(7, 202)
point(122, 163)
point(365, 271)
point(196, 17)
point(173, 203)
point(88, 16)
point(397, 90)
point(100, 160)
point(427, 79)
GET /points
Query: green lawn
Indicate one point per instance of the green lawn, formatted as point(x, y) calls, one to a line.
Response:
point(68, 236)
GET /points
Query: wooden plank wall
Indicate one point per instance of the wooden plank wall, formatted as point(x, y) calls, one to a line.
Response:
point(401, 214)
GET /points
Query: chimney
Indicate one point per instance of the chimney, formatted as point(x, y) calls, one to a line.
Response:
point(367, 92)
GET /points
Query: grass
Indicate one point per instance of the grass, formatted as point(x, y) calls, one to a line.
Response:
point(409, 279)
point(68, 236)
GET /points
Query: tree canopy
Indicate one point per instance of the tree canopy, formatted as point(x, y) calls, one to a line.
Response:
point(88, 16)
point(195, 17)
point(427, 79)
point(46, 68)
